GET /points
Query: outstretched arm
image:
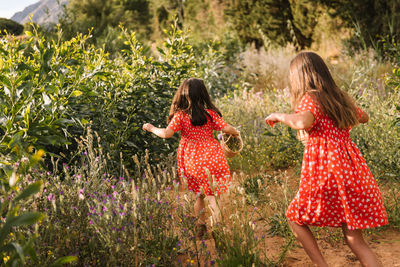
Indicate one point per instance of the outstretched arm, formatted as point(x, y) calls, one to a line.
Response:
point(298, 121)
point(161, 132)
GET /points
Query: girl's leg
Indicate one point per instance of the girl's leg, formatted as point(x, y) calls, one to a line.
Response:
point(355, 240)
point(199, 209)
point(306, 238)
point(215, 212)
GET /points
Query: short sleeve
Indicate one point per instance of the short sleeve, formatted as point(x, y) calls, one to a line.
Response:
point(217, 122)
point(307, 103)
point(176, 123)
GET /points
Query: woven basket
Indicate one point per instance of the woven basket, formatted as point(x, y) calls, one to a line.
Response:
point(227, 151)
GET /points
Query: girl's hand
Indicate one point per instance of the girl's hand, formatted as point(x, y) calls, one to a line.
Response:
point(272, 119)
point(147, 127)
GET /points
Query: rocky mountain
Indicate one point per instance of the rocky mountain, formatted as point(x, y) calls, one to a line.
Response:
point(42, 12)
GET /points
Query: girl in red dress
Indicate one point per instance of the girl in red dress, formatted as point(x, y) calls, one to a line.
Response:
point(337, 188)
point(201, 160)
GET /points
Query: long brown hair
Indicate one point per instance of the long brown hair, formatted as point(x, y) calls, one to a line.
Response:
point(310, 75)
point(193, 99)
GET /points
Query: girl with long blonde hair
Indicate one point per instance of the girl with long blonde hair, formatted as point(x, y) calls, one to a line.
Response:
point(337, 188)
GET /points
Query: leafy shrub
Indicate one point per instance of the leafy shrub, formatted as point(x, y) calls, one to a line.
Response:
point(16, 246)
point(11, 27)
point(52, 89)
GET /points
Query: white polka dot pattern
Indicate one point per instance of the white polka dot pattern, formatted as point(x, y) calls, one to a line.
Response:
point(200, 156)
point(336, 184)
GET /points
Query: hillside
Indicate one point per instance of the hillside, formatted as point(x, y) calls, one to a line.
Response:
point(43, 12)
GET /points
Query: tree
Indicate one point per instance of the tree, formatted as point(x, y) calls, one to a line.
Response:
point(10, 26)
point(370, 19)
point(282, 21)
point(104, 16)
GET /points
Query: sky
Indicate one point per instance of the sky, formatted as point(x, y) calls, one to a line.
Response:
point(9, 7)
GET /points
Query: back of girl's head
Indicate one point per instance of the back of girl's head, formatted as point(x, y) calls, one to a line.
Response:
point(192, 98)
point(310, 75)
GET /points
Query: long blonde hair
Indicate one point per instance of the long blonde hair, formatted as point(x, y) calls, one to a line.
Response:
point(310, 75)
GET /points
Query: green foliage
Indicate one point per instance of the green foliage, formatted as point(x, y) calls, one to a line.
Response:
point(264, 147)
point(281, 21)
point(104, 16)
point(15, 248)
point(10, 27)
point(388, 48)
point(370, 19)
point(377, 140)
point(101, 218)
point(52, 89)
point(38, 80)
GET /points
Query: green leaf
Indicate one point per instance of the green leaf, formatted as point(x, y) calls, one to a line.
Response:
point(84, 121)
point(76, 93)
point(24, 219)
point(19, 250)
point(64, 260)
point(5, 81)
point(30, 190)
point(32, 253)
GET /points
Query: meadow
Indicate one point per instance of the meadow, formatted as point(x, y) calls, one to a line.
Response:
point(82, 184)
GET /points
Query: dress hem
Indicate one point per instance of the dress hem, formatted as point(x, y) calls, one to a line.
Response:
point(341, 225)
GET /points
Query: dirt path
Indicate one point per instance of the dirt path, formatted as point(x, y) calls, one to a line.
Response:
point(385, 244)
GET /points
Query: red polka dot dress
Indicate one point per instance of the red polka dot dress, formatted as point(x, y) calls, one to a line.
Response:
point(336, 185)
point(200, 156)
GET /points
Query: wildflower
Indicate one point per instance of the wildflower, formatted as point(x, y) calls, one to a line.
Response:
point(80, 194)
point(51, 197)
point(6, 258)
point(13, 179)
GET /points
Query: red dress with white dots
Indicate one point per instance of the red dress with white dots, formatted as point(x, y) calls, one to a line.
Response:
point(336, 185)
point(200, 157)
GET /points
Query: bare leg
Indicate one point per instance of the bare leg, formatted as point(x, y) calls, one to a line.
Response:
point(199, 209)
point(216, 213)
point(356, 242)
point(306, 238)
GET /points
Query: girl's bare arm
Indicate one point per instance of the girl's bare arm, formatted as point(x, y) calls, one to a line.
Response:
point(161, 132)
point(298, 121)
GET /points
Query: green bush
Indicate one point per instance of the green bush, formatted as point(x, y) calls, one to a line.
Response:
point(52, 89)
point(10, 27)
